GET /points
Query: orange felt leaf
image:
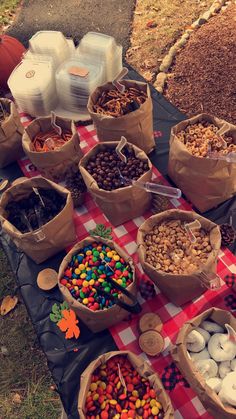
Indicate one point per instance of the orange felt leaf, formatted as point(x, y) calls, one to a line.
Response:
point(8, 303)
point(68, 324)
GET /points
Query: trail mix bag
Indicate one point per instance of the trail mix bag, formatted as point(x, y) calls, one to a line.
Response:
point(135, 125)
point(124, 203)
point(208, 397)
point(164, 260)
point(50, 238)
point(11, 131)
point(54, 163)
point(206, 182)
point(143, 369)
point(100, 319)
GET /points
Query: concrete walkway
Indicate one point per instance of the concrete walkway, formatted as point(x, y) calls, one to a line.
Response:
point(75, 18)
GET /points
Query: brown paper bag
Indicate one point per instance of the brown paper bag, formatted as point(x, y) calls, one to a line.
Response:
point(179, 288)
point(101, 319)
point(208, 397)
point(11, 131)
point(123, 204)
point(143, 369)
point(205, 182)
point(52, 164)
point(136, 126)
point(53, 236)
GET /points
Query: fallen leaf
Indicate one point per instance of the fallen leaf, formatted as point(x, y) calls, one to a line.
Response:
point(17, 398)
point(68, 324)
point(4, 350)
point(151, 24)
point(8, 303)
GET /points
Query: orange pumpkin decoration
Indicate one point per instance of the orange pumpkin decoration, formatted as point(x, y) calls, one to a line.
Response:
point(11, 51)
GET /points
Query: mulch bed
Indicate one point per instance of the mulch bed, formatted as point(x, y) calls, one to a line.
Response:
point(203, 76)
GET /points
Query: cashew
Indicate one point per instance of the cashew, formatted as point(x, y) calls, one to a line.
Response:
point(221, 347)
point(227, 393)
point(215, 383)
point(195, 342)
point(211, 327)
point(207, 367)
point(200, 355)
point(224, 369)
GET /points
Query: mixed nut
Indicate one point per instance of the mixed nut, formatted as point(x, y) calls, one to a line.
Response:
point(114, 103)
point(108, 170)
point(169, 249)
point(202, 138)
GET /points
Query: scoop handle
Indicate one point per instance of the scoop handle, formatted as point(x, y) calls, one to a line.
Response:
point(158, 189)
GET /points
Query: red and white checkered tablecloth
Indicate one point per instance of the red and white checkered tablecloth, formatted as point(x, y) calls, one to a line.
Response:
point(185, 402)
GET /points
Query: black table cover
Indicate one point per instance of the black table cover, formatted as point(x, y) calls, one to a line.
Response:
point(65, 362)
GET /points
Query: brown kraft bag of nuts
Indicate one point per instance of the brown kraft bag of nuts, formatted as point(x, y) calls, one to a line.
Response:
point(98, 320)
point(136, 126)
point(52, 164)
point(53, 236)
point(11, 131)
point(179, 288)
point(122, 204)
point(140, 365)
point(205, 182)
point(208, 397)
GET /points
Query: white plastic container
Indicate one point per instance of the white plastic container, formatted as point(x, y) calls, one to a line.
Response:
point(52, 43)
point(32, 84)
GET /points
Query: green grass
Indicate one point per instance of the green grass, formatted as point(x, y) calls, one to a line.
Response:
point(7, 10)
point(23, 369)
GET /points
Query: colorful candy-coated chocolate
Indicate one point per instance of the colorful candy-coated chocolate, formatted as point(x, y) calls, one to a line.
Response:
point(109, 398)
point(89, 271)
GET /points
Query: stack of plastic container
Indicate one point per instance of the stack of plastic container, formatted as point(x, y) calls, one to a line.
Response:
point(51, 43)
point(76, 80)
point(32, 84)
point(101, 49)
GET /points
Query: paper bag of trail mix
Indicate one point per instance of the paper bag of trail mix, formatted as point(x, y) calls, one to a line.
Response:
point(101, 319)
point(46, 239)
point(143, 369)
point(206, 394)
point(206, 182)
point(135, 125)
point(122, 204)
point(164, 263)
point(53, 163)
point(11, 131)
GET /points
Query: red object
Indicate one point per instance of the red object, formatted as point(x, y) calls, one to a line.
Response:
point(11, 51)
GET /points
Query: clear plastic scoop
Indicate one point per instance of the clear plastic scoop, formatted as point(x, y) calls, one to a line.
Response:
point(230, 158)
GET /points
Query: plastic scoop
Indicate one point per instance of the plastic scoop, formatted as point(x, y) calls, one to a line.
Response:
point(116, 82)
point(189, 227)
point(54, 125)
point(36, 191)
point(119, 149)
point(210, 280)
point(230, 158)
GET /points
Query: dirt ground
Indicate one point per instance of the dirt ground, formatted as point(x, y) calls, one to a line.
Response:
point(157, 24)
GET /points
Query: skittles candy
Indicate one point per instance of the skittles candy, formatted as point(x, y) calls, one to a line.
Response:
point(117, 391)
point(88, 273)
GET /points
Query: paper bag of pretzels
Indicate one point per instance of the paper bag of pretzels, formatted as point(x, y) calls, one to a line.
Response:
point(11, 131)
point(51, 155)
point(49, 238)
point(206, 181)
point(124, 203)
point(143, 369)
point(129, 114)
point(172, 264)
point(206, 394)
point(101, 319)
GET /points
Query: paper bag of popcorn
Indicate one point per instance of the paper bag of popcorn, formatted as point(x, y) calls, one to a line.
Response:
point(135, 125)
point(11, 131)
point(181, 268)
point(206, 394)
point(206, 181)
point(143, 369)
point(122, 203)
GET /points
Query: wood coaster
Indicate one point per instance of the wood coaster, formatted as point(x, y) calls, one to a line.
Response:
point(47, 279)
point(150, 321)
point(151, 342)
point(3, 184)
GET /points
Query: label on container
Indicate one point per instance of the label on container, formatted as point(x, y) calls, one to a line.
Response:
point(78, 71)
point(30, 74)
